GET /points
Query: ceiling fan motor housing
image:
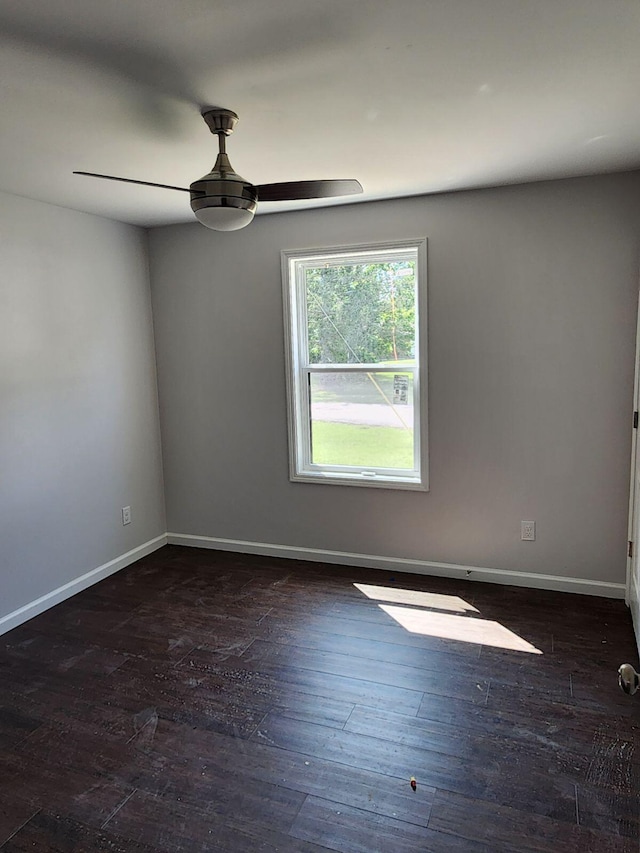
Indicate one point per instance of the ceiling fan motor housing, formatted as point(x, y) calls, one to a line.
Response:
point(227, 190)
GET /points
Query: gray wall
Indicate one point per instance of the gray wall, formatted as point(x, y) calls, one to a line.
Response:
point(79, 431)
point(532, 306)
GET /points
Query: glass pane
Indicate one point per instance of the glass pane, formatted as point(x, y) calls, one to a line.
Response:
point(361, 313)
point(362, 419)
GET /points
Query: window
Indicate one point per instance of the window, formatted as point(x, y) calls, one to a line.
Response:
point(355, 321)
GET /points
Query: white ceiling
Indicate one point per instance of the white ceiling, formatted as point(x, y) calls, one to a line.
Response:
point(408, 96)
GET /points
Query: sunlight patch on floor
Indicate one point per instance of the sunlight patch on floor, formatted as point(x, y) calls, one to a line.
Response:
point(414, 596)
point(464, 629)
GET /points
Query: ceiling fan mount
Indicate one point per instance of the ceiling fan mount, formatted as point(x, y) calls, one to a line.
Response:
point(220, 120)
point(223, 200)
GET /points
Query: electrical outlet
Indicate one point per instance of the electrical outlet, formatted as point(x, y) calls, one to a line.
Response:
point(527, 531)
point(126, 515)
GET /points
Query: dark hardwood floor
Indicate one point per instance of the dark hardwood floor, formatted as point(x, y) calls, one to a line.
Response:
point(204, 701)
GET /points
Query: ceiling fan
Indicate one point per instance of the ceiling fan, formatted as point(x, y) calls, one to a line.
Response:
point(224, 201)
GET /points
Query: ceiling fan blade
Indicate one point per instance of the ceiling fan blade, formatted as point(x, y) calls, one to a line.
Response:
point(132, 181)
point(292, 190)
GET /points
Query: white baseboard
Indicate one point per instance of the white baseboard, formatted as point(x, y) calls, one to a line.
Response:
point(345, 558)
point(398, 564)
point(33, 608)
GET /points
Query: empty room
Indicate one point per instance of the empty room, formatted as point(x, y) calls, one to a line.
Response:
point(319, 486)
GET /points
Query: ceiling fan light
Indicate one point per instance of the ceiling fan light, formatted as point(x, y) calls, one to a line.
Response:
point(224, 218)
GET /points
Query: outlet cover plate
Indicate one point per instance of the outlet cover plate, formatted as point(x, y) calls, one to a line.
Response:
point(528, 531)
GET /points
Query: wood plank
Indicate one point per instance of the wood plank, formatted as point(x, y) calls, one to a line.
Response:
point(545, 787)
point(609, 810)
point(388, 633)
point(221, 694)
point(248, 823)
point(349, 830)
point(365, 669)
point(265, 676)
point(524, 700)
point(456, 740)
point(216, 756)
point(551, 726)
point(15, 812)
point(40, 652)
point(15, 725)
point(399, 654)
point(476, 820)
point(46, 833)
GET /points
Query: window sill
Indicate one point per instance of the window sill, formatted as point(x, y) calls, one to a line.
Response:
point(331, 478)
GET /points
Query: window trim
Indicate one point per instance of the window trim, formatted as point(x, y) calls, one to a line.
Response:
point(301, 469)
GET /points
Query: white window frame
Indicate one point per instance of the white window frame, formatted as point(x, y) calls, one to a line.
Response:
point(298, 370)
